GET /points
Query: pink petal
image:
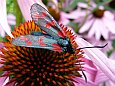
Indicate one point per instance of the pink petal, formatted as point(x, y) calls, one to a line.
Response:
point(64, 20)
point(2, 32)
point(86, 26)
point(74, 14)
point(98, 28)
point(110, 24)
point(98, 58)
point(110, 83)
point(90, 70)
point(1, 45)
point(26, 5)
point(109, 15)
point(104, 33)
point(82, 5)
point(3, 18)
point(100, 77)
point(82, 82)
point(112, 56)
point(92, 30)
point(3, 79)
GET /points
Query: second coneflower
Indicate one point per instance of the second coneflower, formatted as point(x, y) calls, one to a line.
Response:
point(39, 67)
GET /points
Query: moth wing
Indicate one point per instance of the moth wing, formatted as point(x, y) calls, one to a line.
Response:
point(45, 21)
point(37, 42)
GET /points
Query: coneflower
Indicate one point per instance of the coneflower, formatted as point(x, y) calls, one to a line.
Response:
point(39, 67)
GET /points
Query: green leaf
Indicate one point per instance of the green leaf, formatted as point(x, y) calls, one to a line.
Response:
point(45, 1)
point(10, 6)
point(1, 72)
point(109, 8)
point(102, 2)
point(113, 43)
point(72, 5)
point(1, 39)
point(18, 14)
point(73, 25)
point(109, 53)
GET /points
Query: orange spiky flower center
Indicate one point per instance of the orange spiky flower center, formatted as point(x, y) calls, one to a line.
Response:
point(39, 67)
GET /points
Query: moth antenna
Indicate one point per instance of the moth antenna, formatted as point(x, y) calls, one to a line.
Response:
point(93, 47)
point(79, 62)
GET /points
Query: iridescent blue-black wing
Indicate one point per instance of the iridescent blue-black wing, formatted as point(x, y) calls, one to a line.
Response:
point(33, 41)
point(46, 22)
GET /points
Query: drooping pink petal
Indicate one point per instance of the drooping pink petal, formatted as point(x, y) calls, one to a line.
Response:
point(3, 18)
point(2, 32)
point(26, 5)
point(100, 77)
point(98, 59)
point(1, 45)
point(90, 69)
point(3, 80)
point(82, 82)
point(110, 83)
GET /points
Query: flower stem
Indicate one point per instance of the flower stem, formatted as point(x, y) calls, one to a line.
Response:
point(18, 13)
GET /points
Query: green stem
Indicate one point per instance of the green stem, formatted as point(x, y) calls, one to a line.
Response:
point(18, 13)
point(88, 3)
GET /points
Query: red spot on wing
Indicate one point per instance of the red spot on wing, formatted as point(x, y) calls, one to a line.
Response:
point(53, 23)
point(29, 43)
point(39, 15)
point(43, 14)
point(49, 24)
point(61, 34)
point(40, 41)
point(23, 38)
point(56, 47)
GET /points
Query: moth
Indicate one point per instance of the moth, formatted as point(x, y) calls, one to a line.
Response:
point(54, 37)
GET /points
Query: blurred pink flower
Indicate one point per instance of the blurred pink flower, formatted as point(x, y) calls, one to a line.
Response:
point(3, 20)
point(25, 7)
point(2, 32)
point(95, 42)
point(76, 15)
point(11, 19)
point(99, 22)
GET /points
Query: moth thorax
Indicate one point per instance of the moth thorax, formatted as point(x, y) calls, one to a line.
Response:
point(63, 42)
